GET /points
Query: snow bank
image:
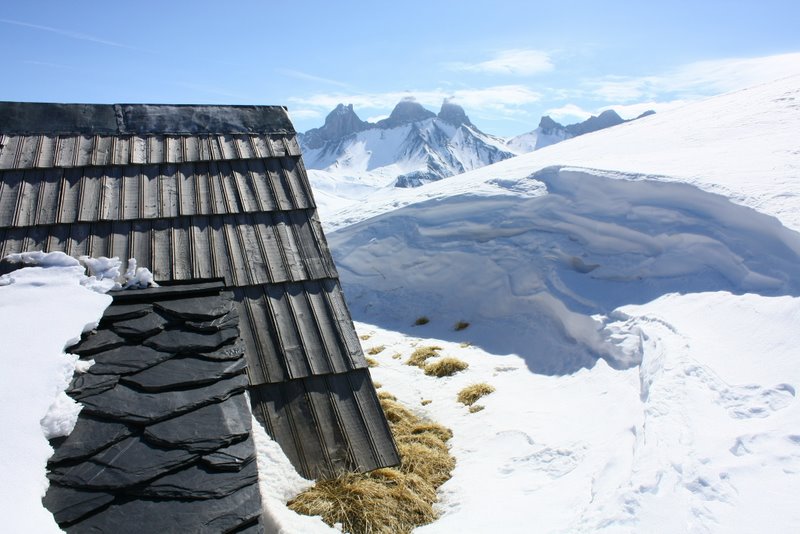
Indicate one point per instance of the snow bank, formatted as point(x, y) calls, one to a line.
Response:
point(42, 310)
point(530, 272)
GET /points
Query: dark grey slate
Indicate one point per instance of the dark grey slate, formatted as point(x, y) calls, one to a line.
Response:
point(231, 458)
point(182, 342)
point(228, 320)
point(35, 117)
point(119, 312)
point(122, 465)
point(127, 359)
point(97, 342)
point(127, 404)
point(166, 292)
point(228, 352)
point(184, 372)
point(198, 308)
point(86, 384)
point(89, 436)
point(140, 327)
point(198, 482)
point(205, 429)
point(69, 504)
point(176, 516)
point(253, 528)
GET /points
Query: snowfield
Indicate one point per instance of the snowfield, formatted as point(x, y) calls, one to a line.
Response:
point(633, 296)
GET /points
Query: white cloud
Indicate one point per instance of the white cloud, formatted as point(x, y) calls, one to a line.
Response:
point(568, 111)
point(519, 62)
point(304, 113)
point(377, 118)
point(501, 98)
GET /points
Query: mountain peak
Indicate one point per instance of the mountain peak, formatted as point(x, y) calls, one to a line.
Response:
point(340, 122)
point(406, 111)
point(453, 114)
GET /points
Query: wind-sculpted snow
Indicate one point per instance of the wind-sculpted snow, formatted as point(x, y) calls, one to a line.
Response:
point(530, 272)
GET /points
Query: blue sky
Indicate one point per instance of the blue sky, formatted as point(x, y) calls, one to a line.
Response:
point(506, 62)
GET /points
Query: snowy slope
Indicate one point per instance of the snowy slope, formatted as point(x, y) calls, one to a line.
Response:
point(639, 323)
point(742, 145)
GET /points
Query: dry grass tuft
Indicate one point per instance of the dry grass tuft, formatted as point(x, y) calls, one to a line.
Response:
point(461, 325)
point(421, 320)
point(396, 356)
point(465, 344)
point(376, 350)
point(426, 402)
point(377, 385)
point(382, 395)
point(364, 337)
point(420, 355)
point(476, 408)
point(389, 500)
point(445, 367)
point(470, 394)
point(372, 362)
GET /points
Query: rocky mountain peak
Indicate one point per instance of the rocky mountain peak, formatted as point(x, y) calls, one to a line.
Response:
point(405, 112)
point(340, 122)
point(548, 125)
point(453, 114)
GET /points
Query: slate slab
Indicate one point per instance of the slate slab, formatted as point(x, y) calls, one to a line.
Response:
point(140, 327)
point(198, 308)
point(206, 429)
point(127, 404)
point(175, 516)
point(89, 436)
point(86, 384)
point(118, 312)
point(226, 352)
point(127, 359)
point(185, 342)
point(231, 458)
point(225, 321)
point(124, 464)
point(97, 342)
point(197, 482)
point(69, 504)
point(181, 372)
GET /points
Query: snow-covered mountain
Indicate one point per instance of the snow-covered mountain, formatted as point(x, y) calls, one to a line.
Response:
point(550, 132)
point(411, 147)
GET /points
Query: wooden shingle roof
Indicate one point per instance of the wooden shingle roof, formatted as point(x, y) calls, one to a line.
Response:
point(207, 192)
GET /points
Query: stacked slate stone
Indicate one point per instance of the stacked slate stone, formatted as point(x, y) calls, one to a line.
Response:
point(163, 443)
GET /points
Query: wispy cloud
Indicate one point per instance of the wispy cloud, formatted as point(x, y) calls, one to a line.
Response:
point(517, 62)
point(69, 34)
point(504, 99)
point(310, 77)
point(698, 79)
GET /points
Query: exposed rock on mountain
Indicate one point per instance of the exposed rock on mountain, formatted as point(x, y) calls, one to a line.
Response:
point(550, 132)
point(405, 112)
point(411, 147)
point(339, 123)
point(453, 114)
